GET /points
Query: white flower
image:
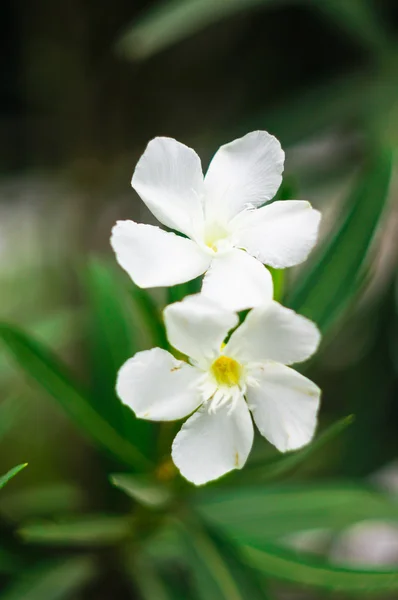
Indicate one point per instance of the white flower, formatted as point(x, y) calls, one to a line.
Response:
point(219, 379)
point(228, 236)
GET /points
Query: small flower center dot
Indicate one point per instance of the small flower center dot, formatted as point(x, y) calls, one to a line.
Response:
point(214, 235)
point(226, 371)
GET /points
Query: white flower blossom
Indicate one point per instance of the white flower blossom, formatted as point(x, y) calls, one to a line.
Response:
point(221, 384)
point(229, 234)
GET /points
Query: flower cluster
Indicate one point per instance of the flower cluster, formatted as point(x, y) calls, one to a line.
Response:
point(228, 236)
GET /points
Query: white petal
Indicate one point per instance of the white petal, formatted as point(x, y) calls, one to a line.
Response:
point(245, 172)
point(284, 406)
point(158, 387)
point(237, 281)
point(197, 326)
point(273, 332)
point(281, 234)
point(169, 179)
point(210, 445)
point(153, 257)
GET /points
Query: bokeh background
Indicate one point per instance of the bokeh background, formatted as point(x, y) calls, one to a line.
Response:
point(84, 86)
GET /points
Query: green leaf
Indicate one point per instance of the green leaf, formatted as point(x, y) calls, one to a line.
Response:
point(324, 291)
point(51, 375)
point(42, 500)
point(92, 530)
point(60, 580)
point(359, 19)
point(277, 467)
point(316, 110)
point(110, 337)
point(169, 22)
point(280, 563)
point(278, 279)
point(150, 582)
point(259, 514)
point(142, 489)
point(55, 330)
point(11, 473)
point(150, 315)
point(216, 565)
point(288, 189)
point(59, 328)
point(112, 343)
point(176, 293)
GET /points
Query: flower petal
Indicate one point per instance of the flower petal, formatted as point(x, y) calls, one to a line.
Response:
point(237, 281)
point(197, 326)
point(274, 332)
point(158, 387)
point(169, 179)
point(210, 445)
point(153, 257)
point(248, 171)
point(284, 405)
point(281, 234)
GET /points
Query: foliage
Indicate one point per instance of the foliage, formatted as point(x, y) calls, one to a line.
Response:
point(11, 473)
point(216, 537)
point(126, 514)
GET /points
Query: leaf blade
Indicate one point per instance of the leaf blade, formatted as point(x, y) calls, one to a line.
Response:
point(4, 479)
point(42, 366)
point(324, 290)
point(282, 465)
point(112, 342)
point(216, 565)
point(170, 22)
point(56, 581)
point(277, 511)
point(91, 530)
point(142, 490)
point(279, 563)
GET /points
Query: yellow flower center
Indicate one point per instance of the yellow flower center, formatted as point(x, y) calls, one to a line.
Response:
point(214, 234)
point(226, 371)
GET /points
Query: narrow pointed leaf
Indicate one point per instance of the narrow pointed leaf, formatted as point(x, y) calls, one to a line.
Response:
point(112, 342)
point(217, 568)
point(61, 580)
point(142, 490)
point(284, 464)
point(170, 22)
point(110, 336)
point(277, 511)
point(42, 500)
point(151, 584)
point(150, 315)
point(87, 530)
point(55, 330)
point(359, 19)
point(278, 279)
point(11, 473)
point(326, 288)
point(52, 376)
point(279, 563)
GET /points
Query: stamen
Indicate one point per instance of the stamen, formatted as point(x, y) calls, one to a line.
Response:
point(216, 401)
point(235, 398)
point(225, 400)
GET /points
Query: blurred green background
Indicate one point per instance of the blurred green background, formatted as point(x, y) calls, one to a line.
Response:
point(99, 512)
